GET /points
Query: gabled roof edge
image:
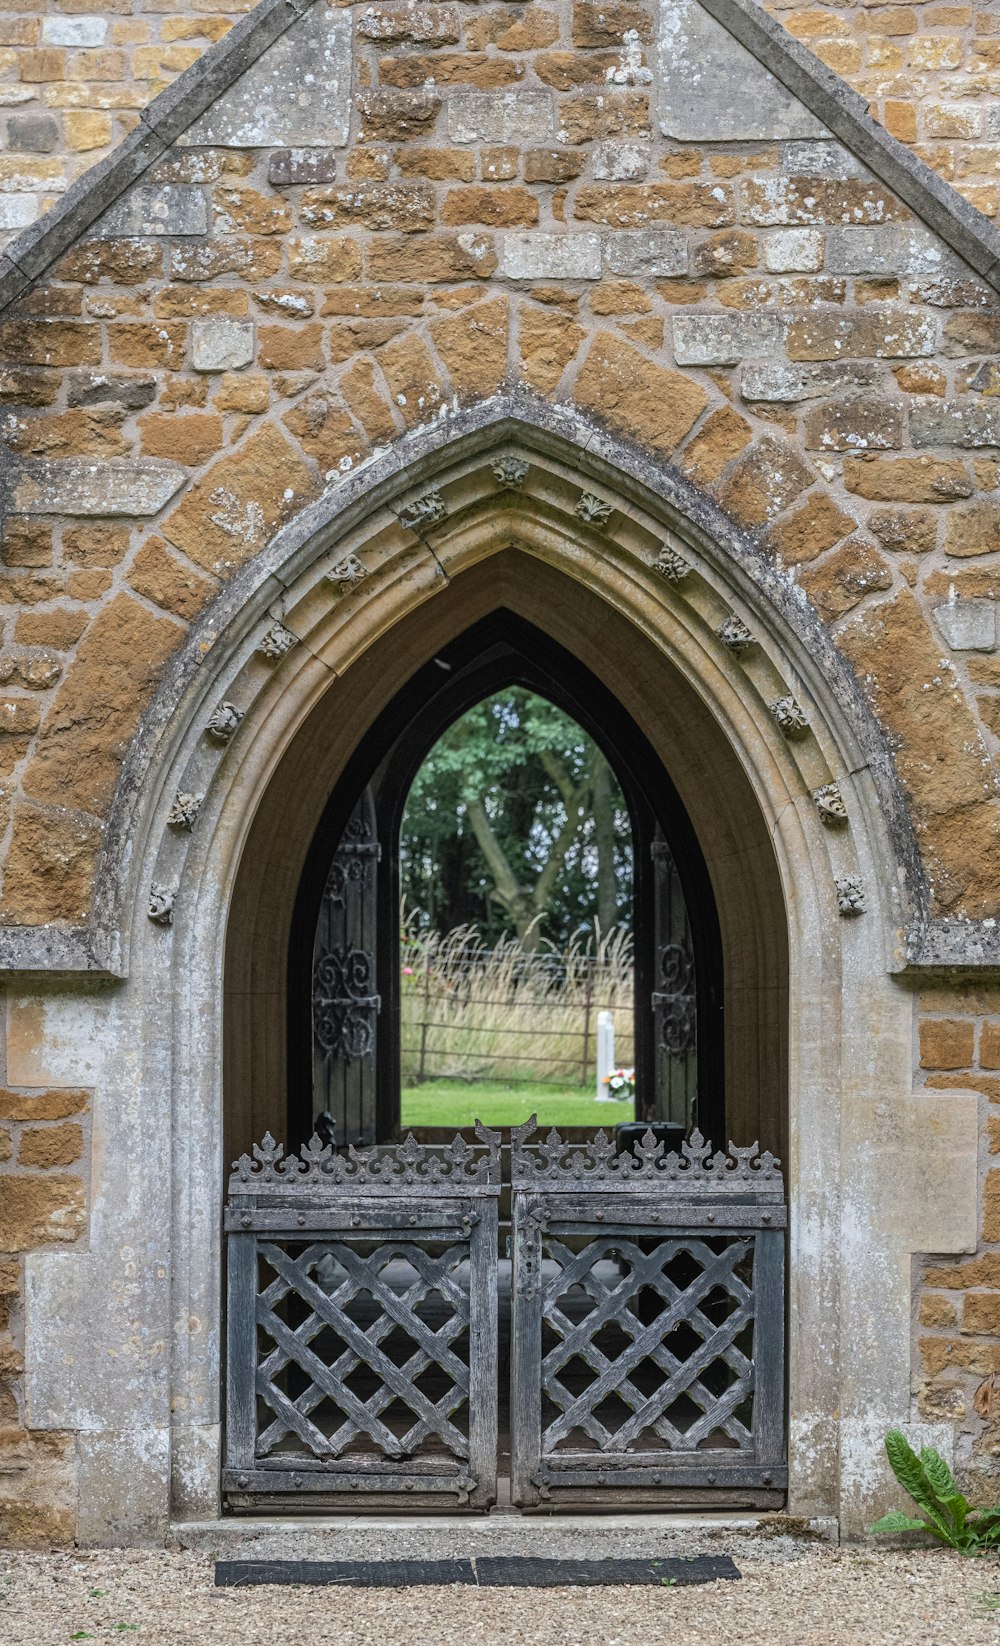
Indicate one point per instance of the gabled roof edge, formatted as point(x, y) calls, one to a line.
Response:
point(845, 113)
point(161, 122)
point(973, 236)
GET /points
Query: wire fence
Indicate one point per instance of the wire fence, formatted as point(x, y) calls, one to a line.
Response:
point(472, 1012)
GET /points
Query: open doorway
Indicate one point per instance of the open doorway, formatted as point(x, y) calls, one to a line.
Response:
point(517, 973)
point(504, 882)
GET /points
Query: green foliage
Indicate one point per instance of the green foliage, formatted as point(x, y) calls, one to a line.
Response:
point(515, 822)
point(946, 1514)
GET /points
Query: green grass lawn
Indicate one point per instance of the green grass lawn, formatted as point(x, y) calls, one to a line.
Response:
point(462, 1103)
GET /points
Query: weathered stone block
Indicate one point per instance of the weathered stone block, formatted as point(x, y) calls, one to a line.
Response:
point(221, 344)
point(765, 481)
point(74, 31)
point(407, 207)
point(229, 515)
point(544, 256)
point(968, 625)
point(652, 252)
point(623, 162)
point(955, 423)
point(725, 339)
point(815, 526)
point(37, 1211)
point(396, 115)
point(793, 251)
point(771, 199)
point(495, 207)
point(33, 133)
point(428, 25)
point(711, 89)
point(292, 166)
point(773, 380)
point(647, 402)
point(18, 210)
point(861, 423)
point(90, 388)
point(113, 487)
point(879, 331)
point(156, 208)
point(841, 581)
point(974, 529)
point(48, 1146)
point(903, 248)
point(908, 479)
point(297, 95)
point(519, 117)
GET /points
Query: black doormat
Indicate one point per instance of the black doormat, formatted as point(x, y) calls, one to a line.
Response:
point(485, 1572)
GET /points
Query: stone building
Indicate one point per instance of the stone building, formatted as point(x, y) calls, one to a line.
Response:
point(632, 323)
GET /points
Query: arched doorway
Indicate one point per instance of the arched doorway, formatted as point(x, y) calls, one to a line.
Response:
point(686, 1339)
point(348, 899)
point(750, 790)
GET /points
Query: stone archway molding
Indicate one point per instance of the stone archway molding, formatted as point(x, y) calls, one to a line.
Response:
point(203, 671)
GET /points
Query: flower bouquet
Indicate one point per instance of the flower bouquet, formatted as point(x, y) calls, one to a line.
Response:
point(620, 1085)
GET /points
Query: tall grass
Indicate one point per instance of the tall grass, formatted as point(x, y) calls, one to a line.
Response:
point(477, 1013)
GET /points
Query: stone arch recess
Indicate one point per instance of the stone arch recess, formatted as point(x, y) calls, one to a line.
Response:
point(438, 528)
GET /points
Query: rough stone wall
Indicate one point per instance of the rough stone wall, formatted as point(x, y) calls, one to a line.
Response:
point(43, 1202)
point(74, 74)
point(931, 74)
point(256, 318)
point(957, 1363)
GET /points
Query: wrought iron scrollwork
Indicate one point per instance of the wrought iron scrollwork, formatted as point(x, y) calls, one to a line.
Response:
point(344, 1004)
point(675, 1002)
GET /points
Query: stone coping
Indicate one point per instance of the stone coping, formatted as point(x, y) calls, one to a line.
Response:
point(167, 117)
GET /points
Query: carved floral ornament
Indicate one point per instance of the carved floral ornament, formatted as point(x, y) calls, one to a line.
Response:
point(789, 716)
point(671, 564)
point(184, 810)
point(347, 573)
point(428, 510)
point(510, 473)
point(850, 894)
point(735, 635)
point(276, 642)
point(224, 722)
point(593, 510)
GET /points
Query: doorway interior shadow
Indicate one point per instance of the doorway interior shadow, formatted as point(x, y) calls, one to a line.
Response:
point(500, 651)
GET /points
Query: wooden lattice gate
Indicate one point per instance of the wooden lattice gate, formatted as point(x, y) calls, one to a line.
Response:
point(647, 1325)
point(362, 1337)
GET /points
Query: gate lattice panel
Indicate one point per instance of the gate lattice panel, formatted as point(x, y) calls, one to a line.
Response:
point(363, 1323)
point(648, 1311)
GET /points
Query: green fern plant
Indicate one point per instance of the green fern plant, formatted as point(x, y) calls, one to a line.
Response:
point(945, 1513)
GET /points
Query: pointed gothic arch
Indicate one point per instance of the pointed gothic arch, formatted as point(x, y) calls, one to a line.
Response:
point(260, 714)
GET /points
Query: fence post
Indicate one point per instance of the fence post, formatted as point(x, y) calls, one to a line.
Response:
point(605, 1051)
point(588, 997)
point(423, 1023)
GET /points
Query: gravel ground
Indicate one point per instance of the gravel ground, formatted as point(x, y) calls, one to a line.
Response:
point(793, 1593)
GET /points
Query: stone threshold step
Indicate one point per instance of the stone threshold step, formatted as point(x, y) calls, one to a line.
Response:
point(484, 1572)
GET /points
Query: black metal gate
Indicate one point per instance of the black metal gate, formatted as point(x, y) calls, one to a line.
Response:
point(647, 1325)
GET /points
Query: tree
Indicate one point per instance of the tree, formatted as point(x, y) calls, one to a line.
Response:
point(515, 819)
